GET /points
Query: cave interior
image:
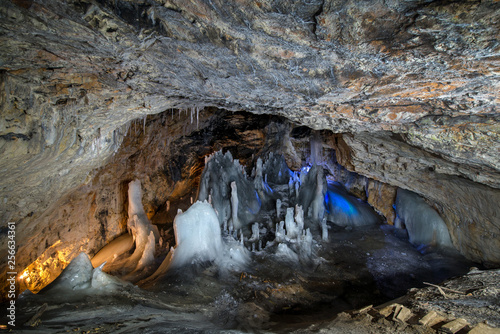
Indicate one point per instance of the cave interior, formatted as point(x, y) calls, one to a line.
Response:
point(260, 166)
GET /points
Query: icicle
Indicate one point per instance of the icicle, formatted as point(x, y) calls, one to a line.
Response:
point(324, 230)
point(241, 237)
point(278, 208)
point(224, 226)
point(144, 126)
point(292, 230)
point(253, 247)
point(260, 245)
point(255, 232)
point(280, 231)
point(299, 217)
point(197, 117)
point(192, 110)
point(234, 204)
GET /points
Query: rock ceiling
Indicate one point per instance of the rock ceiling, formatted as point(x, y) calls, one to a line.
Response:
point(410, 87)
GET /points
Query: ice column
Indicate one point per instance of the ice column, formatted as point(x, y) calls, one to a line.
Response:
point(318, 205)
point(299, 217)
point(255, 232)
point(278, 208)
point(234, 205)
point(324, 230)
point(292, 230)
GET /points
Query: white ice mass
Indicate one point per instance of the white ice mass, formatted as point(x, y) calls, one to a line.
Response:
point(197, 236)
point(423, 223)
point(80, 277)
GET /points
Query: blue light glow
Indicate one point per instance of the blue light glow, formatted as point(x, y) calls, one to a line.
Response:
point(256, 210)
point(337, 201)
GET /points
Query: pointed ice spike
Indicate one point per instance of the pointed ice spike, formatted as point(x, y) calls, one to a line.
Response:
point(102, 265)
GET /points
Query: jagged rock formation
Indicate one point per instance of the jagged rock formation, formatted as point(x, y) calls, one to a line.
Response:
point(410, 88)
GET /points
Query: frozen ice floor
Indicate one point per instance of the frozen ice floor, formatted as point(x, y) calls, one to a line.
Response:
point(354, 268)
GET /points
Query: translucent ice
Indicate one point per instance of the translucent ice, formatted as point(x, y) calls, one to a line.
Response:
point(344, 209)
point(80, 275)
point(140, 227)
point(292, 229)
point(219, 173)
point(148, 255)
point(312, 193)
point(197, 235)
point(286, 254)
point(423, 223)
point(76, 276)
point(103, 281)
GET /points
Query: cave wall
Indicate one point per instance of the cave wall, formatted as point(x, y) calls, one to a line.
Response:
point(409, 87)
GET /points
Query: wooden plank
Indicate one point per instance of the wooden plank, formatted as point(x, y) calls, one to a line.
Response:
point(484, 329)
point(454, 326)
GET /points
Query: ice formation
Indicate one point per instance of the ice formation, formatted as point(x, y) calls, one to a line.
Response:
point(197, 236)
point(234, 206)
point(76, 276)
point(140, 227)
point(220, 171)
point(312, 193)
point(237, 215)
point(344, 209)
point(148, 255)
point(423, 223)
point(239, 201)
point(199, 240)
point(80, 275)
point(292, 229)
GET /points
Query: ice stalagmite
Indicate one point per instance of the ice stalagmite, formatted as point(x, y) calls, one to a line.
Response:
point(219, 173)
point(318, 203)
point(299, 217)
point(234, 206)
point(148, 255)
point(292, 230)
point(140, 226)
point(255, 233)
point(324, 230)
point(278, 208)
point(197, 236)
